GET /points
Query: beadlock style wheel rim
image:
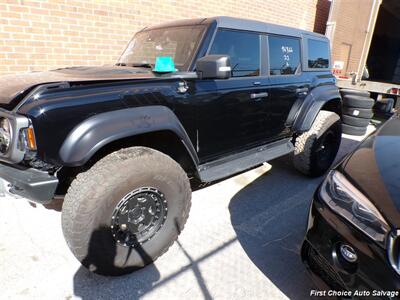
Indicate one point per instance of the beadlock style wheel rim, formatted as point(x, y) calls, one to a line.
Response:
point(138, 216)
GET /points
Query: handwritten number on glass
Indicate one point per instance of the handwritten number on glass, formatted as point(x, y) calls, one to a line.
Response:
point(286, 50)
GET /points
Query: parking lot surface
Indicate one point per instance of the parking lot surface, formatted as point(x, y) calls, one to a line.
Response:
point(241, 241)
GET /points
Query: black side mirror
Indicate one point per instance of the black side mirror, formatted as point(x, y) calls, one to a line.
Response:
point(213, 67)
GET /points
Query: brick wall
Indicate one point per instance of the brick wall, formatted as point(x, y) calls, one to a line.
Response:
point(41, 35)
point(349, 32)
point(321, 15)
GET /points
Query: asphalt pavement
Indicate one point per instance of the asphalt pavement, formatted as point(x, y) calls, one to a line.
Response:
point(241, 241)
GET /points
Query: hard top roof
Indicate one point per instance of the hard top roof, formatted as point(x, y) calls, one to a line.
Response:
point(241, 24)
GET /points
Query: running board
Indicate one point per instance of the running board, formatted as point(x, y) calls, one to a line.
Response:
point(242, 161)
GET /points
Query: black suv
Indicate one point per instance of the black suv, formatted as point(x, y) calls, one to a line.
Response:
point(188, 101)
point(352, 245)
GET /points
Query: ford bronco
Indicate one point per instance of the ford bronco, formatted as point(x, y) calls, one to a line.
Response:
point(190, 101)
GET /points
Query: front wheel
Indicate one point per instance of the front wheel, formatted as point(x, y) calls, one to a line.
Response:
point(316, 149)
point(126, 211)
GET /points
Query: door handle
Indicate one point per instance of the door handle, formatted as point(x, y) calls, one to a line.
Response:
point(258, 96)
point(302, 91)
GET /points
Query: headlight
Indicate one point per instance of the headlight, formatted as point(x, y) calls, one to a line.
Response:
point(5, 135)
point(342, 197)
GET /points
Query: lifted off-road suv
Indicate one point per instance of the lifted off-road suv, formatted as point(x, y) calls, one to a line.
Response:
point(197, 99)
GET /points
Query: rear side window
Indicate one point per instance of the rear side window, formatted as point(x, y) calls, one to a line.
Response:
point(318, 54)
point(243, 49)
point(284, 55)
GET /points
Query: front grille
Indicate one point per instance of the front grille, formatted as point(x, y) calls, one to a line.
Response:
point(323, 269)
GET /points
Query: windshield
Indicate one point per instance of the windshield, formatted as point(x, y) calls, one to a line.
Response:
point(180, 43)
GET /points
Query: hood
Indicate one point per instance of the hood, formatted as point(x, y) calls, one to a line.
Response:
point(374, 168)
point(14, 85)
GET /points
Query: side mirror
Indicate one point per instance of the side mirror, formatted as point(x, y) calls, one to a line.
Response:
point(213, 67)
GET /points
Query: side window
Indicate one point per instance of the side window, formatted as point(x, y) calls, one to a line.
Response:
point(318, 54)
point(284, 55)
point(243, 49)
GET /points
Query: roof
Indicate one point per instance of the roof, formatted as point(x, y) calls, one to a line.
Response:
point(241, 24)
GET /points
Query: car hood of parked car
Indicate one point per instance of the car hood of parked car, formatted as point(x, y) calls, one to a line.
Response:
point(374, 168)
point(14, 85)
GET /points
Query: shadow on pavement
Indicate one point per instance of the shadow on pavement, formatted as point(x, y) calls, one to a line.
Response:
point(100, 258)
point(270, 216)
point(88, 285)
point(91, 286)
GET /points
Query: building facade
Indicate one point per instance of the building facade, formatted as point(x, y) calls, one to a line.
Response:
point(41, 35)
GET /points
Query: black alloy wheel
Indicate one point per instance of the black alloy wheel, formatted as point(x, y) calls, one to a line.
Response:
point(139, 216)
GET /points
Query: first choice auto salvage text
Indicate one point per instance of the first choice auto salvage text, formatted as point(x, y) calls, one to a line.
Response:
point(343, 293)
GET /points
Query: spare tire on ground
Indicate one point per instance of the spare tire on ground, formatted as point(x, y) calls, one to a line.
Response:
point(355, 92)
point(365, 113)
point(355, 121)
point(353, 130)
point(358, 101)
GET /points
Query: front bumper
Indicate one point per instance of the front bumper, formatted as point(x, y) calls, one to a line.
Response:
point(37, 186)
point(371, 273)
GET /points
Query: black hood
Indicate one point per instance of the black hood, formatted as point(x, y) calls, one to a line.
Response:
point(14, 85)
point(374, 168)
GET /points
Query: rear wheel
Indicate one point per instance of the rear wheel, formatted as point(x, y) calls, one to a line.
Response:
point(316, 149)
point(126, 211)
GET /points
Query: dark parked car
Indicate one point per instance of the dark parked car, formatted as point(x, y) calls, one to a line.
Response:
point(196, 99)
point(352, 243)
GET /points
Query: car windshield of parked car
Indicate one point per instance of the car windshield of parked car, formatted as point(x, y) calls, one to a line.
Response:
point(180, 43)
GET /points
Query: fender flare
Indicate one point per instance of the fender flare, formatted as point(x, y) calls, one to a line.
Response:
point(99, 130)
point(312, 104)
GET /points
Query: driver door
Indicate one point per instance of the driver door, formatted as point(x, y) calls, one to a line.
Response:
point(232, 113)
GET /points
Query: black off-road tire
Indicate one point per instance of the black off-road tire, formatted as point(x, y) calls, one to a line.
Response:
point(365, 94)
point(93, 196)
point(365, 113)
point(354, 130)
point(355, 121)
point(324, 135)
point(358, 101)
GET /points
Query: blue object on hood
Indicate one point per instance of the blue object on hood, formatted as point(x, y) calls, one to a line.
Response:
point(164, 64)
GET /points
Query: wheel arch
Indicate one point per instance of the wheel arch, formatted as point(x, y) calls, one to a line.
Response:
point(321, 98)
point(100, 130)
point(164, 141)
point(155, 127)
point(333, 105)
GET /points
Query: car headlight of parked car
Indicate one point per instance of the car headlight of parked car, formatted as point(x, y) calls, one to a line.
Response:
point(5, 134)
point(346, 200)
